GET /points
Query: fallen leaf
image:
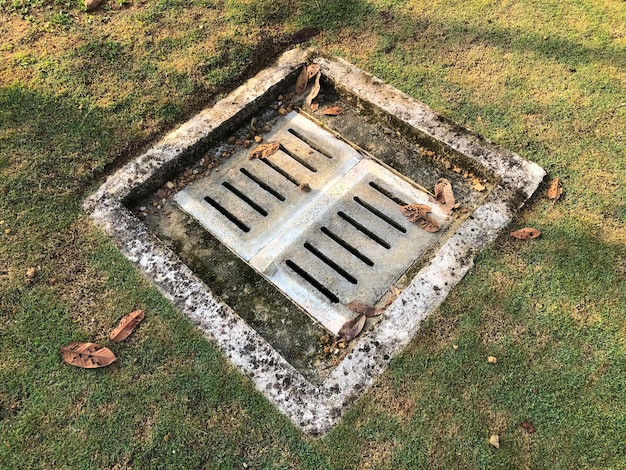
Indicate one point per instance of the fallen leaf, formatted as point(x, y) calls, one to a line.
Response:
point(31, 273)
point(526, 233)
point(304, 34)
point(444, 195)
point(494, 440)
point(312, 70)
point(92, 4)
point(305, 187)
point(264, 150)
point(367, 310)
point(315, 90)
point(492, 359)
point(555, 190)
point(351, 329)
point(333, 111)
point(314, 106)
point(87, 355)
point(528, 427)
point(413, 210)
point(479, 187)
point(302, 81)
point(418, 214)
point(126, 326)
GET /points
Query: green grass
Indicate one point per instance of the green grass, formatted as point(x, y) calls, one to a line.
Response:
point(80, 94)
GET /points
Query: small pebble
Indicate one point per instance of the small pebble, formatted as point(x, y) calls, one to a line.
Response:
point(142, 208)
point(258, 139)
point(170, 185)
point(282, 111)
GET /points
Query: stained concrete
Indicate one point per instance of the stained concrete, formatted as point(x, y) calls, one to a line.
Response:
point(317, 407)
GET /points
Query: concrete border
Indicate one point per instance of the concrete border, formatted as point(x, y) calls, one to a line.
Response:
point(315, 409)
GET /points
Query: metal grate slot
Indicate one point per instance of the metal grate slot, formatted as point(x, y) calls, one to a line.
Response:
point(380, 214)
point(278, 169)
point(347, 246)
point(226, 213)
point(309, 143)
point(361, 228)
point(301, 161)
point(389, 194)
point(311, 280)
point(345, 274)
point(262, 184)
point(245, 198)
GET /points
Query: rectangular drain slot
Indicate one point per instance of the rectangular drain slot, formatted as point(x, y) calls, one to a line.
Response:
point(245, 198)
point(361, 228)
point(345, 274)
point(262, 184)
point(278, 169)
point(379, 214)
point(301, 161)
point(344, 244)
point(309, 143)
point(314, 282)
point(389, 194)
point(226, 213)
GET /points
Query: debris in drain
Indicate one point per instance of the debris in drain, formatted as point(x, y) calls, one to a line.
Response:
point(315, 89)
point(351, 329)
point(526, 233)
point(444, 195)
point(264, 150)
point(314, 106)
point(306, 74)
point(333, 111)
point(555, 190)
point(126, 326)
point(87, 355)
point(305, 187)
point(418, 214)
point(367, 310)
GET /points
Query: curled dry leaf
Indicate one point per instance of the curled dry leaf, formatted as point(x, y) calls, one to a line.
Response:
point(351, 329)
point(418, 214)
point(444, 195)
point(526, 233)
point(126, 326)
point(315, 90)
point(314, 106)
point(302, 81)
point(555, 190)
point(494, 440)
point(87, 355)
point(312, 70)
point(333, 111)
point(528, 427)
point(264, 150)
point(367, 310)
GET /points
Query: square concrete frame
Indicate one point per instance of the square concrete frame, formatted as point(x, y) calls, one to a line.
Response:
point(315, 409)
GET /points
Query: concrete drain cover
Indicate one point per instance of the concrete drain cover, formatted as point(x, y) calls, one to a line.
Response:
point(344, 240)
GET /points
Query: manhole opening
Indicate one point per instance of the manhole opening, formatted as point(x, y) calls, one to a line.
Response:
point(253, 188)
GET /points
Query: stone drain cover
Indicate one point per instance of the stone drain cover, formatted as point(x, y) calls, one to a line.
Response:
point(344, 240)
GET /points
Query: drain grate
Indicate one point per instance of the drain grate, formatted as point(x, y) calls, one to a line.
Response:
point(344, 240)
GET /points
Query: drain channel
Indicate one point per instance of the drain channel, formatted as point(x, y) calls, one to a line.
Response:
point(262, 184)
point(226, 213)
point(344, 244)
point(389, 194)
point(245, 198)
point(379, 214)
point(349, 277)
point(361, 228)
point(314, 282)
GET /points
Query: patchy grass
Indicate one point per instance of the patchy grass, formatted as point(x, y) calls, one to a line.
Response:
point(81, 94)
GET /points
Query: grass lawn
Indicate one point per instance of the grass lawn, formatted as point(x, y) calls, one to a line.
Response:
point(83, 93)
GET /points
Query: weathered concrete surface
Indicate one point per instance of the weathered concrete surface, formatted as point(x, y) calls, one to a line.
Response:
point(313, 408)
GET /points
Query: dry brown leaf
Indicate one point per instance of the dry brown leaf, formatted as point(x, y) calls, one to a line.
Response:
point(126, 326)
point(528, 427)
point(305, 187)
point(367, 310)
point(526, 233)
point(492, 359)
point(87, 355)
point(312, 70)
point(351, 329)
point(264, 150)
point(314, 106)
point(494, 440)
point(479, 187)
point(444, 195)
point(315, 90)
point(302, 81)
point(92, 4)
point(418, 214)
point(555, 190)
point(333, 111)
point(31, 273)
